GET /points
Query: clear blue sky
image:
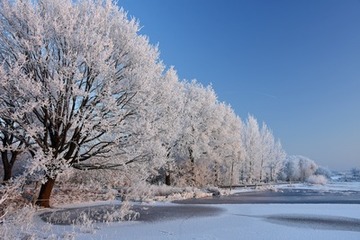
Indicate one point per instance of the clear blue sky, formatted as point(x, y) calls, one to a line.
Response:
point(293, 64)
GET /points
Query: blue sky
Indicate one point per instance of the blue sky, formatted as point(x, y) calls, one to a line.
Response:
point(292, 64)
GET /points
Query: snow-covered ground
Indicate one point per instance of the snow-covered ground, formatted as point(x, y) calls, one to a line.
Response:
point(243, 221)
point(240, 221)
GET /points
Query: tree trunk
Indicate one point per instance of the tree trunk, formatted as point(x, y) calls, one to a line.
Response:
point(7, 173)
point(231, 174)
point(45, 193)
point(167, 179)
point(216, 175)
point(251, 172)
point(271, 173)
point(7, 166)
point(192, 165)
point(261, 169)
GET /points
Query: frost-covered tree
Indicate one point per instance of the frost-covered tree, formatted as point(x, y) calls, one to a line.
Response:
point(267, 143)
point(276, 161)
point(193, 142)
point(290, 171)
point(251, 139)
point(264, 155)
point(208, 144)
point(307, 167)
point(272, 155)
point(298, 168)
point(226, 146)
point(75, 70)
point(163, 116)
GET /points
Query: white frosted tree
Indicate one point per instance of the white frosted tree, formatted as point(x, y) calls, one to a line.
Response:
point(169, 121)
point(208, 147)
point(298, 168)
point(276, 161)
point(267, 142)
point(251, 139)
point(161, 116)
point(76, 70)
point(192, 143)
point(264, 156)
point(272, 155)
point(226, 147)
point(307, 167)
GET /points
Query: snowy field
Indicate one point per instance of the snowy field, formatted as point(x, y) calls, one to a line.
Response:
point(236, 221)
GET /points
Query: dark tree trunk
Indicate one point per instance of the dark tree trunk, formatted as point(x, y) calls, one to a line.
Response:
point(271, 173)
point(45, 193)
point(167, 179)
point(216, 175)
point(192, 165)
point(7, 166)
point(231, 174)
point(7, 173)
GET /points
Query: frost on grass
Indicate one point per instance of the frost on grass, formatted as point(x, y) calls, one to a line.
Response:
point(149, 193)
point(23, 224)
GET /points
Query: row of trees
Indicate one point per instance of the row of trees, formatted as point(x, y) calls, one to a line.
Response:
point(81, 88)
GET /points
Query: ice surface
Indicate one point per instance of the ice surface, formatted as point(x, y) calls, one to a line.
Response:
point(243, 221)
point(332, 186)
point(246, 221)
